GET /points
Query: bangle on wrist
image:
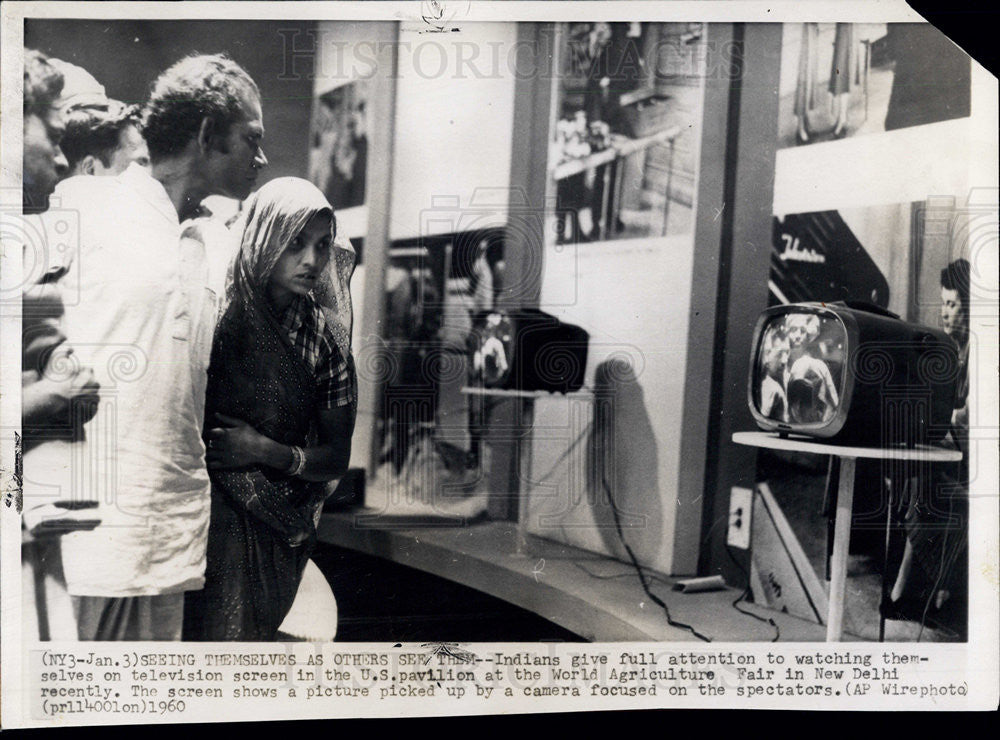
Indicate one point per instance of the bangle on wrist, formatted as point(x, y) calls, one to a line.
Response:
point(294, 464)
point(298, 461)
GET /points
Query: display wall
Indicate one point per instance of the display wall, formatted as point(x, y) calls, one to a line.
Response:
point(606, 463)
point(454, 114)
point(880, 175)
point(447, 99)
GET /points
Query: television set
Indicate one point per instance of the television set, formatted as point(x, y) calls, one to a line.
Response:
point(527, 350)
point(851, 373)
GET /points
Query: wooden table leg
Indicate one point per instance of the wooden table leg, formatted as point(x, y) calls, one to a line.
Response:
point(525, 423)
point(670, 184)
point(841, 541)
point(605, 231)
point(884, 599)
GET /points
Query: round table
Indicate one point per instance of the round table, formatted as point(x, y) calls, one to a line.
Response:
point(845, 498)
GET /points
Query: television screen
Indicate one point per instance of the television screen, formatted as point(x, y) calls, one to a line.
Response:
point(492, 348)
point(800, 367)
point(852, 374)
point(527, 350)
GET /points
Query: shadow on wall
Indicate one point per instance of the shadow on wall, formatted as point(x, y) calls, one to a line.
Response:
point(622, 464)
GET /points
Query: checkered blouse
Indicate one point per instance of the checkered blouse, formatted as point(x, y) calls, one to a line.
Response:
point(309, 333)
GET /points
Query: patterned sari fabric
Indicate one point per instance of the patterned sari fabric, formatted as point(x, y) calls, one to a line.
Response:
point(262, 527)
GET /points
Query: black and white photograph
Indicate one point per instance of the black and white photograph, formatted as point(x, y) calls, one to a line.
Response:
point(625, 142)
point(895, 259)
point(438, 358)
point(338, 159)
point(851, 79)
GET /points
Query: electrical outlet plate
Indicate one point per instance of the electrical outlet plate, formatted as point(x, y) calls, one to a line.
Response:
point(740, 509)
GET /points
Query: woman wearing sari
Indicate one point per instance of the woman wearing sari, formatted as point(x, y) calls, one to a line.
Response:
point(280, 409)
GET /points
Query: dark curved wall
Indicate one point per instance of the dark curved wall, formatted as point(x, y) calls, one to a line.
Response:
point(126, 56)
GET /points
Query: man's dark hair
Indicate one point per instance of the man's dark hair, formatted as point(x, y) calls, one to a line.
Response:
point(197, 87)
point(96, 132)
point(956, 277)
point(42, 83)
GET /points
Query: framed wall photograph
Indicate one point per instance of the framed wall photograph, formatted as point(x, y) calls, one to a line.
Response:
point(841, 80)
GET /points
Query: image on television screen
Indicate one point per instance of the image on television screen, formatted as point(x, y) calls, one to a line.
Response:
point(799, 370)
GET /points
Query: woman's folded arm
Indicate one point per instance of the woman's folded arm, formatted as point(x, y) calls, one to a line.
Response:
point(236, 444)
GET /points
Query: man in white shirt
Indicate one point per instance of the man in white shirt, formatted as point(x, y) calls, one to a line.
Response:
point(144, 320)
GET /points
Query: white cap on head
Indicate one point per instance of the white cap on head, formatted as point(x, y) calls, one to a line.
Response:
point(80, 88)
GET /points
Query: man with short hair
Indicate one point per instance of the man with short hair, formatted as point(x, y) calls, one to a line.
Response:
point(204, 111)
point(44, 162)
point(104, 142)
point(144, 321)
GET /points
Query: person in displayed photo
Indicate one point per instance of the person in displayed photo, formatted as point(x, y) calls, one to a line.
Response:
point(144, 320)
point(955, 322)
point(812, 395)
point(936, 518)
point(805, 83)
point(840, 77)
point(773, 403)
point(280, 409)
point(801, 329)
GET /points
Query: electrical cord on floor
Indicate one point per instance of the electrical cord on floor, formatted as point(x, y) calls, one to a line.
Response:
point(745, 593)
point(642, 576)
point(621, 536)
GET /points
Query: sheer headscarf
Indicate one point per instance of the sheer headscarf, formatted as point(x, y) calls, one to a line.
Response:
point(272, 218)
point(263, 522)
